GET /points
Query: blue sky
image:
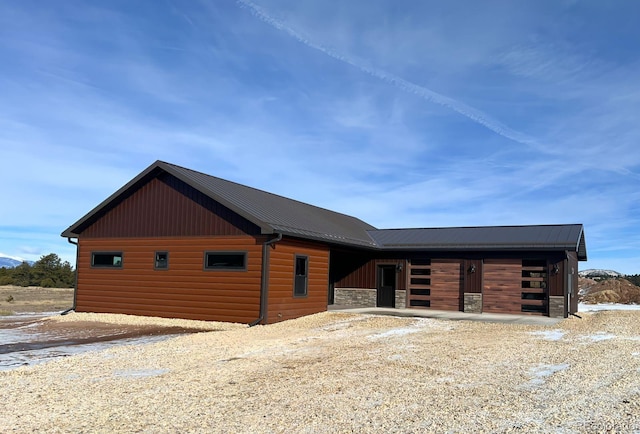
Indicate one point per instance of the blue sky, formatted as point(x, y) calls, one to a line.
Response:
point(402, 113)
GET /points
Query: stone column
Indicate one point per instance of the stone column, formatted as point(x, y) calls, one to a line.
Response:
point(401, 299)
point(472, 302)
point(556, 306)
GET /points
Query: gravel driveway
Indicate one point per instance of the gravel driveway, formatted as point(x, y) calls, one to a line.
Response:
point(339, 372)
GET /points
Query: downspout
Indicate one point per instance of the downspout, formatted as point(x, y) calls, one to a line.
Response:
point(264, 284)
point(75, 280)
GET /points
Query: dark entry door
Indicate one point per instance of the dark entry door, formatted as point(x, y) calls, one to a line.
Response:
point(386, 285)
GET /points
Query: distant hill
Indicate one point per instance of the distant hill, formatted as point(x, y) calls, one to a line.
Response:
point(617, 290)
point(596, 273)
point(11, 262)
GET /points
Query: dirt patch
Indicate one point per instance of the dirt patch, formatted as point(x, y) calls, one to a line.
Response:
point(39, 334)
point(17, 299)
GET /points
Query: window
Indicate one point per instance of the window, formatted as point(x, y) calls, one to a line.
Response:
point(225, 261)
point(300, 278)
point(106, 259)
point(162, 261)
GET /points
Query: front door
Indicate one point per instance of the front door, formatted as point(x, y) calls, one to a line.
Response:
point(386, 286)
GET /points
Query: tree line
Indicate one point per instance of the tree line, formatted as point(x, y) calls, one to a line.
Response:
point(48, 272)
point(635, 279)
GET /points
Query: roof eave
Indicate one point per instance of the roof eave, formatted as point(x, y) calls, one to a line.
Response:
point(72, 230)
point(460, 247)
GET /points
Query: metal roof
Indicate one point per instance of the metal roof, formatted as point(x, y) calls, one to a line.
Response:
point(536, 237)
point(278, 214)
point(270, 212)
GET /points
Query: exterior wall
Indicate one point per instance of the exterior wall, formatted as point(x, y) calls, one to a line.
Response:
point(167, 207)
point(356, 297)
point(502, 286)
point(359, 270)
point(446, 284)
point(184, 290)
point(557, 280)
point(472, 271)
point(282, 303)
point(572, 282)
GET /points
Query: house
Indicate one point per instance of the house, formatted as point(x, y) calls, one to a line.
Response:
point(178, 243)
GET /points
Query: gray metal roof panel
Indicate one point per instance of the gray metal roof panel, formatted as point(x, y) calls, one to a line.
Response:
point(539, 237)
point(274, 213)
point(271, 212)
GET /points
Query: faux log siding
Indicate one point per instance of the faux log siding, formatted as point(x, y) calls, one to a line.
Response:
point(502, 286)
point(184, 290)
point(165, 208)
point(446, 284)
point(282, 304)
point(365, 276)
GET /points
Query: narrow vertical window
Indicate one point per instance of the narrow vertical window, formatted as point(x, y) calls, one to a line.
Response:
point(301, 276)
point(162, 261)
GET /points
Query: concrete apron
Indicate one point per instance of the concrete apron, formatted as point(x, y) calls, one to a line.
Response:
point(451, 315)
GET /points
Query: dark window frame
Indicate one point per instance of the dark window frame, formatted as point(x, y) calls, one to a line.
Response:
point(243, 253)
point(300, 281)
point(114, 254)
point(157, 265)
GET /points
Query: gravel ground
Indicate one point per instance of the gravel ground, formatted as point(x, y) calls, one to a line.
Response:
point(340, 372)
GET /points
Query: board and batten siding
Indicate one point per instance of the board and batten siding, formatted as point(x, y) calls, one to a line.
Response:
point(184, 290)
point(364, 273)
point(282, 303)
point(168, 207)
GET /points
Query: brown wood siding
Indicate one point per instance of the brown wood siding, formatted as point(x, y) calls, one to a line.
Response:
point(167, 207)
point(472, 272)
point(184, 290)
point(446, 284)
point(283, 304)
point(502, 286)
point(362, 270)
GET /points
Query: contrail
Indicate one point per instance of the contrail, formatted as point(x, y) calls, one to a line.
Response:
point(474, 114)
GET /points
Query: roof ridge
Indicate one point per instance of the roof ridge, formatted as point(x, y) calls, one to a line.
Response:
point(264, 192)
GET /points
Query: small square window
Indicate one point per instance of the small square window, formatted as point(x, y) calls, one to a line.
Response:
point(162, 260)
point(106, 259)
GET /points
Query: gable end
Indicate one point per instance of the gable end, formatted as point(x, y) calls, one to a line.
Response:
point(163, 207)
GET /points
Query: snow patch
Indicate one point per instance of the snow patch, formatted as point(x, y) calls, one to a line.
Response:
point(592, 272)
point(598, 337)
point(417, 325)
point(395, 332)
point(140, 373)
point(582, 307)
point(541, 372)
point(549, 335)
